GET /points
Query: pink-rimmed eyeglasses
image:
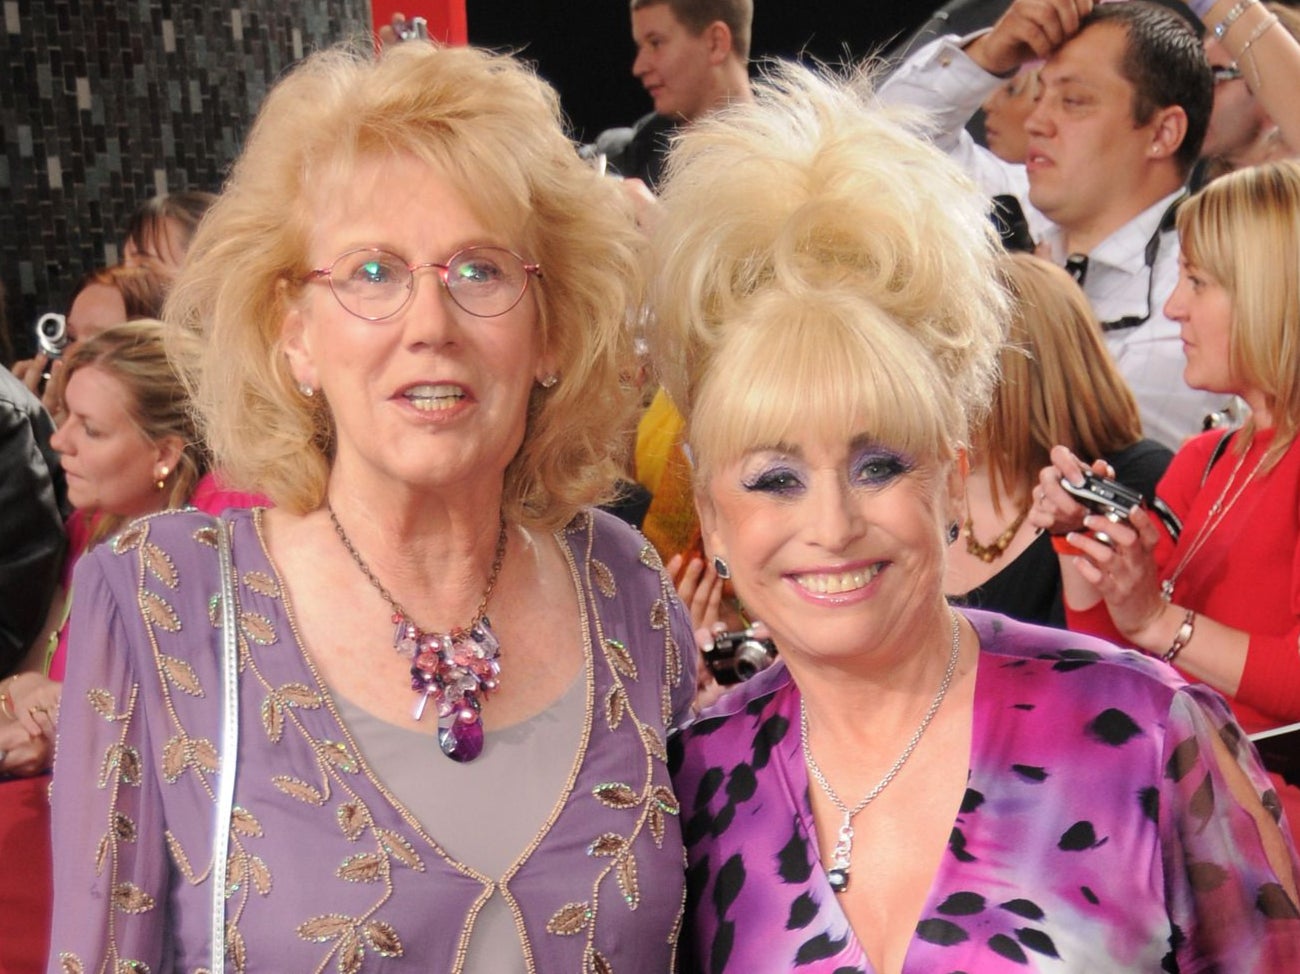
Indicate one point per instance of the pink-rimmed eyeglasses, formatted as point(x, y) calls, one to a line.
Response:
point(374, 284)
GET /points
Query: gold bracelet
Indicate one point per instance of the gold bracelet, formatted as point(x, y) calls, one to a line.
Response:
point(7, 705)
point(1181, 638)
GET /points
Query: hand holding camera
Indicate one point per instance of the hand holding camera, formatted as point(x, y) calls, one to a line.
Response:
point(736, 656)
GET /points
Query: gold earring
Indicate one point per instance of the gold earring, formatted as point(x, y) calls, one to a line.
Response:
point(162, 478)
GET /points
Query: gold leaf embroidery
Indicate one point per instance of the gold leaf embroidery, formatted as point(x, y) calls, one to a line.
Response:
point(663, 797)
point(123, 827)
point(175, 757)
point(245, 822)
point(178, 856)
point(351, 953)
point(71, 964)
point(604, 578)
point(128, 966)
point(337, 754)
point(299, 695)
point(159, 613)
point(569, 919)
point(621, 658)
point(296, 788)
point(656, 822)
point(658, 614)
point(129, 765)
point(364, 868)
point(384, 938)
point(580, 522)
point(258, 628)
point(101, 853)
point(272, 718)
point(260, 874)
point(205, 756)
point(207, 535)
point(650, 557)
point(594, 962)
point(130, 538)
point(320, 929)
point(654, 743)
point(159, 564)
point(353, 817)
point(627, 882)
point(615, 795)
point(609, 844)
point(234, 873)
point(401, 850)
point(672, 661)
point(103, 703)
point(130, 898)
point(262, 584)
point(236, 949)
point(182, 674)
point(615, 707)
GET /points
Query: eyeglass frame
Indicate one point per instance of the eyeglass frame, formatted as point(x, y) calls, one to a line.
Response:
point(1223, 73)
point(531, 269)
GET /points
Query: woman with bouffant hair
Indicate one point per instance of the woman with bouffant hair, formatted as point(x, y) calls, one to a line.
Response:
point(404, 321)
point(1057, 383)
point(909, 787)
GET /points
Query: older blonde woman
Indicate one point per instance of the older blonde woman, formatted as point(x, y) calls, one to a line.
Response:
point(410, 301)
point(910, 789)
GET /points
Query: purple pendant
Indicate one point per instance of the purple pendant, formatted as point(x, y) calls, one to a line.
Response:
point(462, 741)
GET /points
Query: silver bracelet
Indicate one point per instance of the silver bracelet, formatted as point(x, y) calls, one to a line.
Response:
point(1221, 28)
point(1255, 82)
point(1181, 638)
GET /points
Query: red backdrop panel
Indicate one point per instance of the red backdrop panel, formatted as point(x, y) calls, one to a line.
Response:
point(446, 17)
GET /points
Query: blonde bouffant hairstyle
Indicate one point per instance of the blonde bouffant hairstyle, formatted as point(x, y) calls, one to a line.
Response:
point(819, 267)
point(1243, 230)
point(493, 129)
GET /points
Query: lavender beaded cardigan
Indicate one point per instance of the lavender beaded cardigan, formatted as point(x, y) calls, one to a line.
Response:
point(327, 871)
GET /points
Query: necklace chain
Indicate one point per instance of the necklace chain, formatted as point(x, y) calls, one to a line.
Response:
point(989, 553)
point(455, 670)
point(840, 858)
point(497, 560)
point(1213, 518)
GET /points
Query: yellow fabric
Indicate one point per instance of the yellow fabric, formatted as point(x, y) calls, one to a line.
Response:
point(670, 523)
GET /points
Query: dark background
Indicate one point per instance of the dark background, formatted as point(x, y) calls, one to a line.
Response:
point(584, 47)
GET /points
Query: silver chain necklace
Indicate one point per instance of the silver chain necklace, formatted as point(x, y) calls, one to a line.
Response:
point(838, 874)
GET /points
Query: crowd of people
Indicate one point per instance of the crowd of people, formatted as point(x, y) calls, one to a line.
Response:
point(988, 530)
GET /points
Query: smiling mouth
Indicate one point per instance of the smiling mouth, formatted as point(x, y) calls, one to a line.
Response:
point(430, 398)
point(837, 583)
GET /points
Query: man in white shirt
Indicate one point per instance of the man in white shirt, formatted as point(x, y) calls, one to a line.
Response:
point(1126, 97)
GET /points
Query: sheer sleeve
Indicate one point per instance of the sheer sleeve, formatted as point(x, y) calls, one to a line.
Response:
point(110, 863)
point(1226, 860)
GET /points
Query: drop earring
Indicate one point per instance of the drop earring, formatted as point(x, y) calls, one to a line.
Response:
point(161, 483)
point(721, 567)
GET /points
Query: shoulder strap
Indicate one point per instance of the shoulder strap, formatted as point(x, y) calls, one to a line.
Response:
point(229, 744)
point(1216, 454)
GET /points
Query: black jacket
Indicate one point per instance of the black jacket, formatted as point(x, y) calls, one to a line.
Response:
point(31, 525)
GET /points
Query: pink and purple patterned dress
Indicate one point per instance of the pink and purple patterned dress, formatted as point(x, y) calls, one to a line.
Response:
point(1096, 833)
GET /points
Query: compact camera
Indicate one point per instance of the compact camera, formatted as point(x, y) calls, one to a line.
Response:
point(737, 656)
point(1114, 500)
point(52, 334)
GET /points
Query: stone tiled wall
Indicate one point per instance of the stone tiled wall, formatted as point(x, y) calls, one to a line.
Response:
point(104, 103)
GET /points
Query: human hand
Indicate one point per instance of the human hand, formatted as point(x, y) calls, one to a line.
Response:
point(699, 588)
point(398, 29)
point(1054, 510)
point(23, 754)
point(29, 371)
point(35, 698)
point(1027, 31)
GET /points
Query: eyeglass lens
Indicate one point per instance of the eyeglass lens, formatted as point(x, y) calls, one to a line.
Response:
point(374, 284)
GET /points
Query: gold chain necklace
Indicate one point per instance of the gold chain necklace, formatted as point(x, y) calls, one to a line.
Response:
point(1213, 518)
point(455, 669)
point(990, 553)
point(838, 874)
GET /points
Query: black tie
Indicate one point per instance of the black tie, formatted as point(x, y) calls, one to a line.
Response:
point(1076, 265)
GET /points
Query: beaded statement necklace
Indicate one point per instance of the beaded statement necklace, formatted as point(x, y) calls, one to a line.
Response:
point(838, 874)
point(989, 553)
point(456, 669)
point(1218, 511)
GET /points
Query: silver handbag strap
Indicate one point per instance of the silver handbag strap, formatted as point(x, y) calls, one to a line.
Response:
point(229, 745)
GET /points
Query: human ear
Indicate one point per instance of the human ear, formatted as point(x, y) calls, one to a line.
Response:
point(718, 36)
point(1168, 129)
point(708, 514)
point(297, 349)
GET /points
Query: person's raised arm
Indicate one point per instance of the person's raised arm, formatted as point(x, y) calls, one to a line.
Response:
point(1266, 53)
